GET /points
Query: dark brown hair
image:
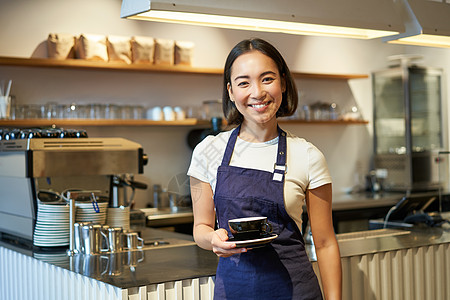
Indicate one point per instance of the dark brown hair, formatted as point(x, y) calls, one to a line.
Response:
point(290, 98)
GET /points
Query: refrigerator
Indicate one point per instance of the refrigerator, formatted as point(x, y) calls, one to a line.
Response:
point(408, 127)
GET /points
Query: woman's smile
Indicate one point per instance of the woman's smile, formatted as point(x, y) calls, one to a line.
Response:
point(260, 107)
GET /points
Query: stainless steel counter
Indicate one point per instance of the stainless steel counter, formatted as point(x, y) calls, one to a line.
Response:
point(341, 203)
point(352, 212)
point(167, 256)
point(364, 200)
point(383, 240)
point(182, 266)
point(167, 217)
point(355, 201)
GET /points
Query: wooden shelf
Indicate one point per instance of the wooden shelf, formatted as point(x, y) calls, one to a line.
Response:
point(325, 122)
point(98, 123)
point(117, 66)
point(27, 123)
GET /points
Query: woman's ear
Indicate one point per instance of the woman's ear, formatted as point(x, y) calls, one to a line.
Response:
point(230, 92)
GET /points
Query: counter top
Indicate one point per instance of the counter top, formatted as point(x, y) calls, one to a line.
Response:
point(389, 239)
point(345, 201)
point(394, 240)
point(159, 265)
point(184, 260)
point(167, 217)
point(364, 200)
point(181, 259)
point(341, 201)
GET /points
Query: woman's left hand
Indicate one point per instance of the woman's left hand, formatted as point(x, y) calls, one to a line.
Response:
point(221, 247)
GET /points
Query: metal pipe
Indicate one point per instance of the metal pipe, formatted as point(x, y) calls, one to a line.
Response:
point(71, 250)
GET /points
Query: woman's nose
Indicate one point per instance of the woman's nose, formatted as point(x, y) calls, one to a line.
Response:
point(257, 91)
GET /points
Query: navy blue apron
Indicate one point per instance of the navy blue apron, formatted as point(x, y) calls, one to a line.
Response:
point(279, 270)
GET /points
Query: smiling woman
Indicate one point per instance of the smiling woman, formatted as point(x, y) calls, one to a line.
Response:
point(273, 71)
point(259, 170)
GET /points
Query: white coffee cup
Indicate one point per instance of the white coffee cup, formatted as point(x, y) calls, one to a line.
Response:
point(180, 114)
point(157, 114)
point(169, 114)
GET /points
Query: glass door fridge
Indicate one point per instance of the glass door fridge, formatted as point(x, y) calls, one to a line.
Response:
point(408, 127)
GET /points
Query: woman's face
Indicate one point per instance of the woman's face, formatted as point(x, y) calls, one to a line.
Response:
point(256, 87)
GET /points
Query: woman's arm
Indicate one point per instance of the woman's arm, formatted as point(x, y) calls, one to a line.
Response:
point(204, 219)
point(318, 202)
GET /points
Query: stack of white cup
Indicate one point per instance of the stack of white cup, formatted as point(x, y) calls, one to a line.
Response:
point(166, 113)
point(119, 217)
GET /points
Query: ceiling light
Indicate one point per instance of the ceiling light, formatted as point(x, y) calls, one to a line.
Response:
point(349, 18)
point(425, 40)
point(427, 23)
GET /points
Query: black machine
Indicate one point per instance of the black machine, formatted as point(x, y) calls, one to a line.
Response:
point(412, 209)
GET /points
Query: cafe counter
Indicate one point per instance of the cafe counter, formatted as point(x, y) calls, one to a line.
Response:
point(169, 264)
point(401, 263)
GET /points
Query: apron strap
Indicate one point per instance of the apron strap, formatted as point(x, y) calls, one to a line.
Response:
point(230, 146)
point(280, 167)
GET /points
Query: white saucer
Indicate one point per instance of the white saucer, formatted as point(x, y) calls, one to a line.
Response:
point(254, 242)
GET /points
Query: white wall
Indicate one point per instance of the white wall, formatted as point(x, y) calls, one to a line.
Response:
point(24, 26)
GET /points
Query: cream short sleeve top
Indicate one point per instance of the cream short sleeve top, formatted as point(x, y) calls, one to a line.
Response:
point(306, 165)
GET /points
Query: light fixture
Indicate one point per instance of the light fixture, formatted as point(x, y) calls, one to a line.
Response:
point(427, 23)
point(364, 19)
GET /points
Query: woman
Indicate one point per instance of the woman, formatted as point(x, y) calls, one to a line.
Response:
point(258, 169)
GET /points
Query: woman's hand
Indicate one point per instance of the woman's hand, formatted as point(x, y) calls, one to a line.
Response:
point(222, 248)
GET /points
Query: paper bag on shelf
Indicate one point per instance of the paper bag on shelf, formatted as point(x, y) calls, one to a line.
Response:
point(184, 52)
point(142, 49)
point(119, 49)
point(164, 52)
point(92, 47)
point(60, 46)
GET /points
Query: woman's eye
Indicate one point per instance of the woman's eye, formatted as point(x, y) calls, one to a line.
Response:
point(242, 84)
point(268, 79)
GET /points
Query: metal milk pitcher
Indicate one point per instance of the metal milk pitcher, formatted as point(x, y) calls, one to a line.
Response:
point(132, 241)
point(92, 237)
point(78, 244)
point(115, 239)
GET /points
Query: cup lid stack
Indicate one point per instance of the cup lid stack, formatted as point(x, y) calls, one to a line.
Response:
point(119, 217)
point(86, 212)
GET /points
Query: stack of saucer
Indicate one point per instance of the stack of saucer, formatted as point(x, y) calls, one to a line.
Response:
point(86, 212)
point(52, 225)
point(119, 217)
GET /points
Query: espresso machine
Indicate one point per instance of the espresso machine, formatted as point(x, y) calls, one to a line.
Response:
point(31, 165)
